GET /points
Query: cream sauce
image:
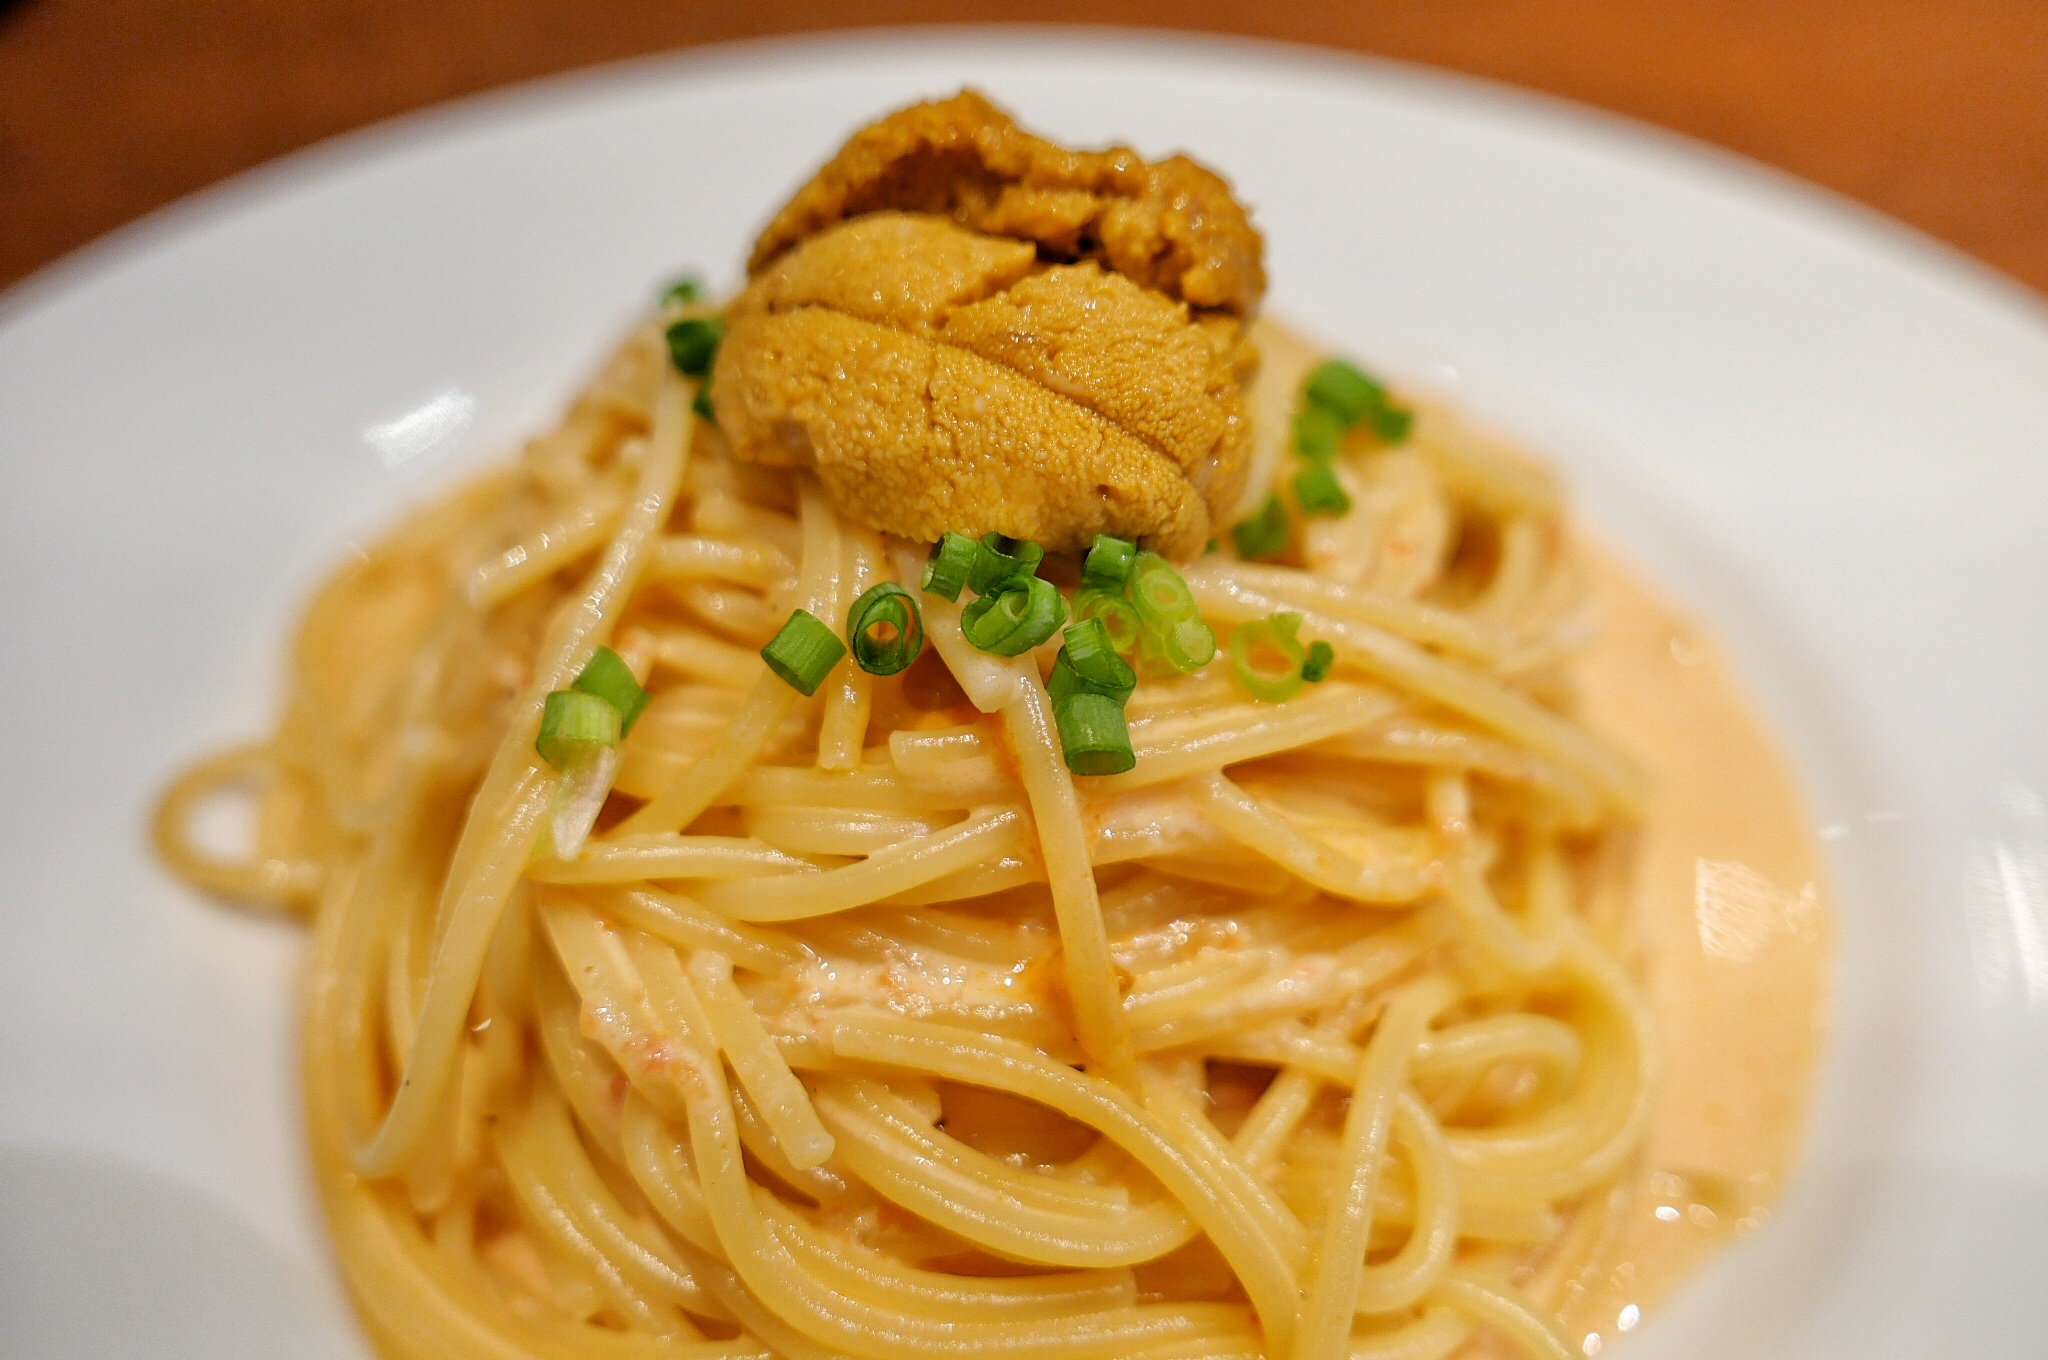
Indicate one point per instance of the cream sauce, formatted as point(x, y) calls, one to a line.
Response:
point(1736, 939)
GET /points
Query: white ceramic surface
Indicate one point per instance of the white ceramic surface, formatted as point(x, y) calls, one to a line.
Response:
point(1823, 433)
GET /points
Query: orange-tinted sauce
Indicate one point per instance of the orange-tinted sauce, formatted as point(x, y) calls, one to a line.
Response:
point(1736, 942)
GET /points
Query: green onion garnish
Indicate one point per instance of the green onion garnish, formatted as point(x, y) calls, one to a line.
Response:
point(1016, 617)
point(1394, 423)
point(1348, 395)
point(1319, 492)
point(1158, 593)
point(683, 291)
point(1267, 658)
point(1093, 735)
point(1089, 662)
point(1348, 391)
point(575, 725)
point(692, 342)
point(951, 560)
point(609, 677)
point(1317, 431)
point(1108, 564)
point(1116, 614)
point(1092, 652)
point(999, 560)
point(1188, 645)
point(1321, 656)
point(701, 403)
point(1265, 533)
point(886, 629)
point(804, 652)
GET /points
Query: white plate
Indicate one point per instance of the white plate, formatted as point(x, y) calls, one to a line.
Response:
point(1826, 435)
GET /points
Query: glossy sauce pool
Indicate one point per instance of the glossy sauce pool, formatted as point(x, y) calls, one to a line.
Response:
point(1736, 946)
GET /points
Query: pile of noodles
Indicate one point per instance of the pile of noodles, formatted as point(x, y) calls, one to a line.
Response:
point(860, 1027)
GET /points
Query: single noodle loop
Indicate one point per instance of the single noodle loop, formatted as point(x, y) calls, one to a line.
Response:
point(860, 1027)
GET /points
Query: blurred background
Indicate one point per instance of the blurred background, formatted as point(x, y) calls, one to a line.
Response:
point(1935, 111)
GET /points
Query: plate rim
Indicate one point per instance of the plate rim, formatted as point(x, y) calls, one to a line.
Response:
point(1782, 199)
point(1732, 172)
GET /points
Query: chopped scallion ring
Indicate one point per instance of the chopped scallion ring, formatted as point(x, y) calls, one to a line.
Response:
point(886, 629)
point(683, 291)
point(609, 677)
point(1343, 395)
point(693, 342)
point(1317, 431)
point(999, 560)
point(1089, 662)
point(1117, 615)
point(1346, 390)
point(1158, 593)
point(1093, 735)
point(1266, 658)
point(1394, 423)
point(804, 652)
point(1319, 492)
point(1018, 616)
point(1321, 656)
point(1094, 655)
point(951, 562)
point(1189, 645)
point(575, 725)
point(701, 403)
point(1265, 533)
point(1109, 562)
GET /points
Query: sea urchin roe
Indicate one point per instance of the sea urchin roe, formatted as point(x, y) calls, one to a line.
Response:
point(1169, 225)
point(940, 373)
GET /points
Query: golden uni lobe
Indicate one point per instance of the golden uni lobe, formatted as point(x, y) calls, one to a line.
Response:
point(963, 327)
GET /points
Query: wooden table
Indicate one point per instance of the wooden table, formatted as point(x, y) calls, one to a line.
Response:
point(1935, 111)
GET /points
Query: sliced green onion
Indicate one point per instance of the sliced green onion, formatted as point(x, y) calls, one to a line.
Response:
point(1093, 654)
point(891, 607)
point(999, 560)
point(1319, 492)
point(1321, 656)
point(1317, 431)
point(1266, 658)
point(1344, 394)
point(701, 403)
point(1015, 618)
point(1093, 735)
point(1119, 618)
point(1065, 680)
point(1393, 422)
point(804, 652)
point(609, 677)
point(1159, 594)
point(692, 342)
point(1188, 645)
point(1108, 564)
point(1265, 533)
point(1348, 391)
point(1089, 662)
point(683, 291)
point(951, 560)
point(574, 726)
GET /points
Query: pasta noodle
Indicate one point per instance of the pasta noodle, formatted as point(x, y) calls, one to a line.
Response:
point(859, 1026)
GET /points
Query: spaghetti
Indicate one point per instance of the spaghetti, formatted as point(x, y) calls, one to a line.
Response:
point(681, 988)
point(860, 1027)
